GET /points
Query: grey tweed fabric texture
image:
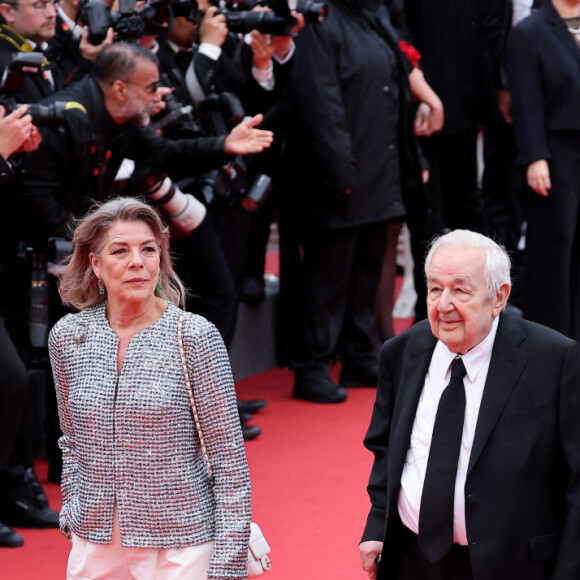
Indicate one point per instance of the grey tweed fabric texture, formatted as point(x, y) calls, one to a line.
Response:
point(130, 439)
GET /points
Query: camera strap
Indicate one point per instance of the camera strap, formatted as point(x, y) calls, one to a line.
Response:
point(15, 39)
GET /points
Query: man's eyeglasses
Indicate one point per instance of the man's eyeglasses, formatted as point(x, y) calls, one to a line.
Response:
point(38, 5)
point(150, 88)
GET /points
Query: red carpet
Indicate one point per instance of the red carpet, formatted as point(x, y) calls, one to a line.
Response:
point(309, 472)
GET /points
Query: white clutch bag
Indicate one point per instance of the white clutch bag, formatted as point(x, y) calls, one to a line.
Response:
point(258, 550)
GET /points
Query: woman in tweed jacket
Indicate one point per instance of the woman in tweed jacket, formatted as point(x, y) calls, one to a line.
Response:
point(137, 500)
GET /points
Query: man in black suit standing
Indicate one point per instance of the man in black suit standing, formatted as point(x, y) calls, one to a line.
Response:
point(475, 434)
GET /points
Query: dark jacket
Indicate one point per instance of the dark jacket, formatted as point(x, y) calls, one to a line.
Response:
point(544, 79)
point(79, 161)
point(352, 154)
point(35, 87)
point(522, 492)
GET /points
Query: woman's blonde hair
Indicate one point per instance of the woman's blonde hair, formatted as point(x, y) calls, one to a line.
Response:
point(78, 284)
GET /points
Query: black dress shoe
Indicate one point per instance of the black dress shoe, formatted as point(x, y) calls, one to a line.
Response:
point(252, 406)
point(250, 432)
point(27, 513)
point(9, 538)
point(320, 390)
point(244, 417)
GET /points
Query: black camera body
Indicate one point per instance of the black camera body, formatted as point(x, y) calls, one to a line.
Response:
point(241, 18)
point(129, 23)
point(24, 63)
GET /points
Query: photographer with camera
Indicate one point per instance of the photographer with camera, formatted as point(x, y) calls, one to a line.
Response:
point(104, 123)
point(211, 69)
point(70, 48)
point(27, 27)
point(17, 482)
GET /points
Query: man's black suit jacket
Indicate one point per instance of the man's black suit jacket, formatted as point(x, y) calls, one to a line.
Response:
point(544, 79)
point(522, 493)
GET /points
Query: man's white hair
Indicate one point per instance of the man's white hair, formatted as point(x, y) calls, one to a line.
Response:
point(496, 270)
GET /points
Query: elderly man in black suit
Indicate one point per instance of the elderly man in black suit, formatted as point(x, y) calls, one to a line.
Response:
point(475, 434)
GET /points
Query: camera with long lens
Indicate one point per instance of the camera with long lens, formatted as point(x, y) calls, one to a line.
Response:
point(129, 23)
point(183, 211)
point(24, 63)
point(241, 18)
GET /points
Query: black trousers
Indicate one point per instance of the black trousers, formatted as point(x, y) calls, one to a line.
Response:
point(341, 270)
point(13, 393)
point(502, 184)
point(551, 290)
point(404, 561)
point(452, 188)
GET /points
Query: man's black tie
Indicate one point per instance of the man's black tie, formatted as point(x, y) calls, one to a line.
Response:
point(183, 59)
point(436, 513)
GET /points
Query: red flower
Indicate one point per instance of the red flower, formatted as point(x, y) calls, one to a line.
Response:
point(410, 52)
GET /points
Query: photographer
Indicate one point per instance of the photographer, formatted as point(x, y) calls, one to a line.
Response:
point(17, 134)
point(28, 26)
point(104, 124)
point(203, 62)
point(70, 48)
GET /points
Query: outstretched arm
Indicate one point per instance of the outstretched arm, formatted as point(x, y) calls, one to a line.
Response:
point(244, 138)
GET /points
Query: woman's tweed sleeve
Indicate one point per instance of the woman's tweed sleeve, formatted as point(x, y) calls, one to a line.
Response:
point(215, 398)
point(56, 342)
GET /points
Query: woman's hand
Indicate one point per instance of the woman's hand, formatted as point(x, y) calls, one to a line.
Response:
point(538, 177)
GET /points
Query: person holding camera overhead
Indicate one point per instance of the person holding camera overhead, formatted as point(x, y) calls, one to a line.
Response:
point(202, 60)
point(138, 501)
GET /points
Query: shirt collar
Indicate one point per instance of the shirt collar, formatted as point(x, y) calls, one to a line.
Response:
point(75, 28)
point(474, 359)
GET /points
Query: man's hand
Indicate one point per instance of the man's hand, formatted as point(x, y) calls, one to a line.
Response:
point(213, 28)
point(17, 133)
point(244, 139)
point(162, 92)
point(262, 49)
point(91, 51)
point(282, 44)
point(538, 177)
point(369, 552)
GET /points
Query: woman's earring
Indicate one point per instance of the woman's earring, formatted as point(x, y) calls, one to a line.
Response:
point(159, 286)
point(101, 286)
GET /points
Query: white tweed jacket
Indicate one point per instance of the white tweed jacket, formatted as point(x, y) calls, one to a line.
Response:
point(130, 438)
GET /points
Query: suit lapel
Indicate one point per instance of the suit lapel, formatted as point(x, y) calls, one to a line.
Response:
point(407, 399)
point(507, 363)
point(560, 31)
